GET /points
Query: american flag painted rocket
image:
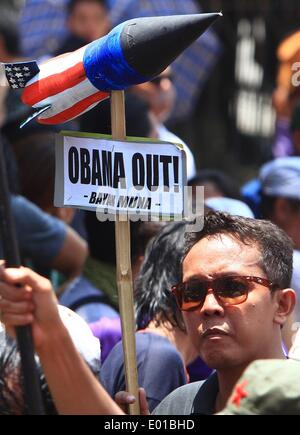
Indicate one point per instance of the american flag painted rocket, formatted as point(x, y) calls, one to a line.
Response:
point(133, 52)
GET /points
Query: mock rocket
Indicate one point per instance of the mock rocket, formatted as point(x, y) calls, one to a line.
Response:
point(133, 52)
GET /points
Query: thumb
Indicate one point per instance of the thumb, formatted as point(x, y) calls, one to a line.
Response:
point(123, 399)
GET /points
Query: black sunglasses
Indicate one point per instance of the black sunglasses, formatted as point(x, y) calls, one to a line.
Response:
point(228, 290)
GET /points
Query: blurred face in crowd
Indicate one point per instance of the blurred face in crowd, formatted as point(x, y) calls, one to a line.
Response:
point(228, 336)
point(159, 93)
point(89, 20)
point(286, 214)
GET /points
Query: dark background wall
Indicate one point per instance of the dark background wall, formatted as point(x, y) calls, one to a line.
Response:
point(233, 124)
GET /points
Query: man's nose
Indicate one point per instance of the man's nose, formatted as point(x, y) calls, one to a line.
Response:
point(211, 305)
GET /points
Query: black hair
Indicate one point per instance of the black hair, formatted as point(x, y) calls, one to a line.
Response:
point(226, 185)
point(159, 272)
point(36, 149)
point(102, 242)
point(10, 34)
point(12, 400)
point(71, 5)
point(98, 119)
point(275, 246)
point(141, 234)
point(267, 205)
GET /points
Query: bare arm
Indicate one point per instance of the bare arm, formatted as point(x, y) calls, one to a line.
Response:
point(73, 387)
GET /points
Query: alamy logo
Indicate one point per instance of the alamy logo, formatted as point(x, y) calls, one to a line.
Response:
point(137, 209)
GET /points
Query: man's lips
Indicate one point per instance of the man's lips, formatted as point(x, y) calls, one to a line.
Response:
point(214, 332)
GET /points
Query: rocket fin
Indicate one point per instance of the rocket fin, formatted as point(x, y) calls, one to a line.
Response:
point(35, 114)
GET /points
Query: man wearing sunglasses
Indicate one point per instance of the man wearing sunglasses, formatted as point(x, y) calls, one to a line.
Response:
point(235, 298)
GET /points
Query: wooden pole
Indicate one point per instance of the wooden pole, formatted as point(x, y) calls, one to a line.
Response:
point(124, 273)
point(31, 383)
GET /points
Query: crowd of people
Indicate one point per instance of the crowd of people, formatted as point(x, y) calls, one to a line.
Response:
point(216, 309)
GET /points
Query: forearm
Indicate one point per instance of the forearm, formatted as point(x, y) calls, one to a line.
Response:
point(28, 298)
point(73, 387)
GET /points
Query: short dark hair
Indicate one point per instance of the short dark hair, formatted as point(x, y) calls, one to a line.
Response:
point(12, 401)
point(275, 246)
point(223, 182)
point(159, 272)
point(267, 205)
point(10, 34)
point(138, 124)
point(39, 147)
point(72, 4)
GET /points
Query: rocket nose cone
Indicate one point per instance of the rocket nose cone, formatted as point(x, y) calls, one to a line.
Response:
point(150, 44)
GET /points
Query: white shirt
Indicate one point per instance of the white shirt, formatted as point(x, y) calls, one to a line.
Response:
point(168, 136)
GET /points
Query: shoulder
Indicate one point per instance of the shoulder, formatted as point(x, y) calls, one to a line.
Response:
point(29, 215)
point(180, 401)
point(147, 342)
point(149, 348)
point(195, 398)
point(40, 235)
point(155, 345)
point(20, 204)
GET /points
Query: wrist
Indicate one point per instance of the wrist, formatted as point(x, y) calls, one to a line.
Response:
point(55, 339)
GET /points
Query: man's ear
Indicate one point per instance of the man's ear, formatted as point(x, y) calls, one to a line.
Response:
point(286, 301)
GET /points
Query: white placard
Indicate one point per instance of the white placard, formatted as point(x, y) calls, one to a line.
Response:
point(97, 173)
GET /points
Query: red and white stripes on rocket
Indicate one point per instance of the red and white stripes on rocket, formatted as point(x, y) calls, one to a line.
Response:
point(62, 82)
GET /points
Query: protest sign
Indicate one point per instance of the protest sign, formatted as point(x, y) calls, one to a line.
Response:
point(135, 176)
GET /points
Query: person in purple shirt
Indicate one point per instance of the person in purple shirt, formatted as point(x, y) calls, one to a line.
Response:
point(163, 347)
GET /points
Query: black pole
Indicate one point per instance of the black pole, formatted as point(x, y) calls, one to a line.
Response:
point(32, 390)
